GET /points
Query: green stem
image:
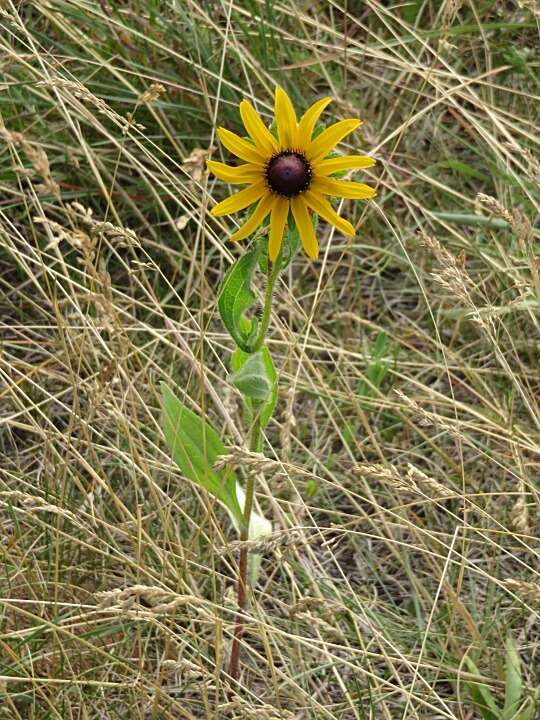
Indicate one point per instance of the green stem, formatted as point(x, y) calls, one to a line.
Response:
point(255, 432)
point(250, 485)
point(265, 320)
point(234, 667)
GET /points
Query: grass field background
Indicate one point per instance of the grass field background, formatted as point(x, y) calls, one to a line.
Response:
point(406, 440)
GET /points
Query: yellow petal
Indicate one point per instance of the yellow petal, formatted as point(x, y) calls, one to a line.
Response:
point(322, 207)
point(308, 121)
point(240, 200)
point(266, 204)
point(286, 121)
point(342, 188)
point(257, 130)
point(280, 213)
point(240, 147)
point(235, 175)
point(330, 137)
point(305, 226)
point(347, 162)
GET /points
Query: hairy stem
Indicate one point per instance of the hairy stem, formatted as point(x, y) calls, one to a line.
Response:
point(234, 667)
point(273, 273)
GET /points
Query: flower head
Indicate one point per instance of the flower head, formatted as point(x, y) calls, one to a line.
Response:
point(290, 172)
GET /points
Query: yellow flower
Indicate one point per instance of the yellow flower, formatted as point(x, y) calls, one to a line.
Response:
point(290, 172)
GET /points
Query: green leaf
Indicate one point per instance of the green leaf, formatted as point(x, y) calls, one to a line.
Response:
point(312, 488)
point(514, 683)
point(533, 703)
point(251, 378)
point(519, 59)
point(380, 365)
point(481, 695)
point(256, 378)
point(195, 446)
point(236, 296)
point(378, 368)
point(411, 10)
point(526, 713)
point(462, 168)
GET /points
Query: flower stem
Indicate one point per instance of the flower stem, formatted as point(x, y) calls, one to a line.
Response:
point(234, 667)
point(273, 273)
point(255, 433)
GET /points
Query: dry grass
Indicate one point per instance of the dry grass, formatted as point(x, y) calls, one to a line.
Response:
point(403, 486)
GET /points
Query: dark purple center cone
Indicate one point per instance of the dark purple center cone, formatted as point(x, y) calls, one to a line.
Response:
point(288, 173)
